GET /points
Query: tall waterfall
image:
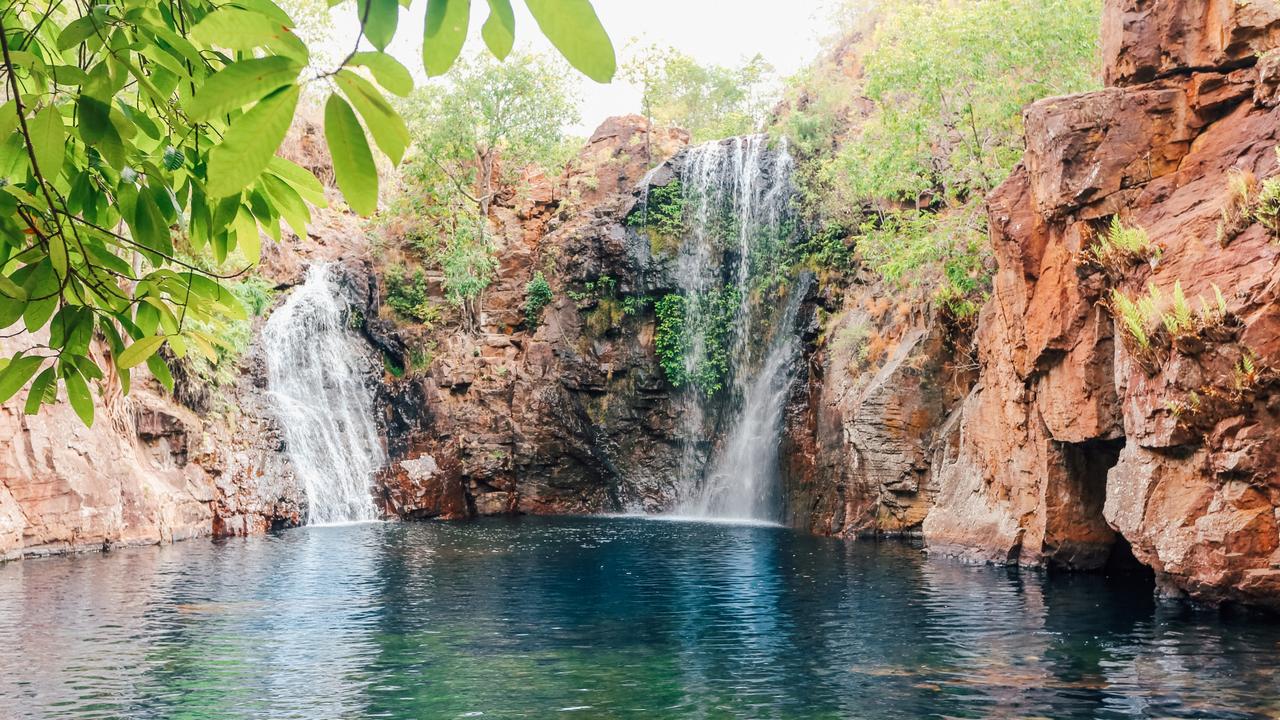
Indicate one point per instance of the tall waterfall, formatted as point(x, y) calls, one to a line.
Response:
point(317, 387)
point(737, 215)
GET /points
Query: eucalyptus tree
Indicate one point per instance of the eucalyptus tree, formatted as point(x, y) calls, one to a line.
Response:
point(138, 147)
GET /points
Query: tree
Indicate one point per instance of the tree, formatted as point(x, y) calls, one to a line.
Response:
point(512, 111)
point(472, 137)
point(710, 101)
point(138, 144)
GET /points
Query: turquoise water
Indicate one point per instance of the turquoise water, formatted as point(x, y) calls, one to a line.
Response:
point(602, 618)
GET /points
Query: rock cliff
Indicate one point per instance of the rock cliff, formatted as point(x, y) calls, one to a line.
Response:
point(1078, 444)
point(572, 415)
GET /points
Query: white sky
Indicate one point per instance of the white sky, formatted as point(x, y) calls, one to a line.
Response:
point(722, 32)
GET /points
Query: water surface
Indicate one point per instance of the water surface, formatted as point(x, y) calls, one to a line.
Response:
point(602, 618)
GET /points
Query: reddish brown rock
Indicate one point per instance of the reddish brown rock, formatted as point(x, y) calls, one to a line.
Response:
point(422, 487)
point(1067, 439)
point(1146, 39)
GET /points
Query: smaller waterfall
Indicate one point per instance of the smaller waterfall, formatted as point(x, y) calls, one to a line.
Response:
point(742, 483)
point(317, 385)
point(732, 265)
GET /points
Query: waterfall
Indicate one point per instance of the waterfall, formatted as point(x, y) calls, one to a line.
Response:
point(740, 315)
point(316, 381)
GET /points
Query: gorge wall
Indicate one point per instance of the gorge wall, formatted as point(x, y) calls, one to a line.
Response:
point(1075, 443)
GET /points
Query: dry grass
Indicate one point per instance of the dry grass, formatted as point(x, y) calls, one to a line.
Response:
point(1236, 213)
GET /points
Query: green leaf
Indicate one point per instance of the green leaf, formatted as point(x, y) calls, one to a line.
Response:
point(17, 373)
point(268, 8)
point(499, 31)
point(38, 312)
point(97, 130)
point(77, 31)
point(239, 84)
point(39, 393)
point(10, 289)
point(352, 162)
point(379, 18)
point(299, 179)
point(48, 141)
point(148, 225)
point(573, 27)
point(147, 318)
point(9, 118)
point(158, 368)
point(247, 237)
point(139, 351)
point(388, 71)
point(289, 202)
point(384, 123)
point(238, 29)
point(444, 33)
point(58, 255)
point(250, 142)
point(78, 393)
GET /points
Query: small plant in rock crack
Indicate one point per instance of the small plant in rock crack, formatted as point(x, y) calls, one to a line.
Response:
point(1236, 213)
point(1120, 246)
point(537, 296)
point(1249, 201)
point(1150, 322)
point(1227, 394)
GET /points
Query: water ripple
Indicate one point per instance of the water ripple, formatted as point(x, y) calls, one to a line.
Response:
point(602, 618)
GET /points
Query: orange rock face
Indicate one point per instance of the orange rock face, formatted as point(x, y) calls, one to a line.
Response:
point(148, 471)
point(1075, 435)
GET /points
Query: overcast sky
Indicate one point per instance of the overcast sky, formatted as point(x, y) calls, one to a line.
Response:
point(712, 31)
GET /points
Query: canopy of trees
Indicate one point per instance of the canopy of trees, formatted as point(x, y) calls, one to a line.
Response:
point(710, 101)
point(900, 162)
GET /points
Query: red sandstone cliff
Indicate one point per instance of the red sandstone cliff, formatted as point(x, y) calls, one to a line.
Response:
point(1067, 439)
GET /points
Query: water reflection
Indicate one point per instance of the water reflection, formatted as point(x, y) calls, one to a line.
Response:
point(602, 618)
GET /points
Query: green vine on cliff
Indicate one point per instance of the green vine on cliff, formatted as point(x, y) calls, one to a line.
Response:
point(702, 327)
point(661, 217)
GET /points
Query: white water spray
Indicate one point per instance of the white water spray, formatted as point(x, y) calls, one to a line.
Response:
point(737, 207)
point(317, 386)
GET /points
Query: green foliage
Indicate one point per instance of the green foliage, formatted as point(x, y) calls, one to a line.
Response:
point(471, 139)
point(468, 263)
point(694, 337)
point(537, 296)
point(945, 251)
point(1266, 209)
point(633, 305)
point(410, 296)
point(661, 217)
point(256, 295)
point(1132, 315)
point(1120, 246)
point(1148, 319)
point(514, 111)
point(949, 81)
point(1248, 201)
point(669, 338)
point(710, 101)
point(908, 120)
point(1179, 320)
point(136, 133)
